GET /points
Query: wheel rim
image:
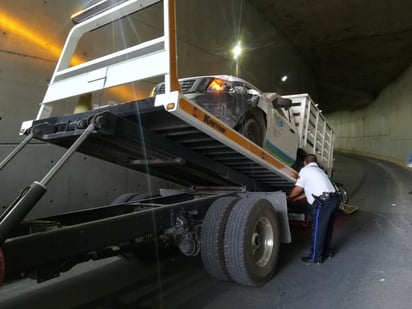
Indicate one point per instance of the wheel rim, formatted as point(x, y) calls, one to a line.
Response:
point(262, 242)
point(343, 193)
point(251, 131)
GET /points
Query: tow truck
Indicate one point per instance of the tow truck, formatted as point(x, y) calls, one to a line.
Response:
point(231, 208)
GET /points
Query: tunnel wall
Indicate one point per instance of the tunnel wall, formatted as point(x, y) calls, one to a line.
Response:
point(207, 32)
point(382, 129)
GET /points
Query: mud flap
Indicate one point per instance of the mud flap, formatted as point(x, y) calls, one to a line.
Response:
point(347, 209)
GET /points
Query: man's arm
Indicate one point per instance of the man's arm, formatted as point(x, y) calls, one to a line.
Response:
point(295, 194)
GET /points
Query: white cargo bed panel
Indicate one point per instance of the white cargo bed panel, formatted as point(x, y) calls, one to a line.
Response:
point(315, 134)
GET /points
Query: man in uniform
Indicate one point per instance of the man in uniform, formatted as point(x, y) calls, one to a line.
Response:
point(321, 194)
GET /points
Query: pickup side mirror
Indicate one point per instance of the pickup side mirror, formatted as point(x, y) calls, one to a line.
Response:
point(280, 102)
point(239, 90)
point(244, 94)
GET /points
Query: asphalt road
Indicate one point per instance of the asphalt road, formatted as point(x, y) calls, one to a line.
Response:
point(372, 267)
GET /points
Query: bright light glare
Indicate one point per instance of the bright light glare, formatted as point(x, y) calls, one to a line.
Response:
point(237, 50)
point(8, 23)
point(13, 25)
point(284, 78)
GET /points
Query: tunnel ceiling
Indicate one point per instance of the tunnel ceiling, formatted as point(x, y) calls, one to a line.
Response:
point(354, 48)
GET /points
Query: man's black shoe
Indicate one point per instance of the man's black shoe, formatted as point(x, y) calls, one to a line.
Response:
point(329, 254)
point(308, 259)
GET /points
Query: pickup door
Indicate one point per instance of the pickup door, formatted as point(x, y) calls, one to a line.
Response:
point(281, 137)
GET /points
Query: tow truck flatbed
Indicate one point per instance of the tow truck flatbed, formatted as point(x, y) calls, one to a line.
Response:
point(144, 137)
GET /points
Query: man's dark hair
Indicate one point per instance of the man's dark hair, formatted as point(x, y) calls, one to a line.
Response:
point(309, 158)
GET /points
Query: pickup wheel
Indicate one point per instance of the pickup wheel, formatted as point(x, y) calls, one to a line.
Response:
point(212, 237)
point(252, 242)
point(344, 196)
point(252, 129)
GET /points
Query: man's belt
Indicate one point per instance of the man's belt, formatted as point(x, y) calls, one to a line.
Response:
point(325, 196)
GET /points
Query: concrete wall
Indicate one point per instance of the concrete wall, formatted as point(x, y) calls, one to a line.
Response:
point(382, 129)
point(33, 31)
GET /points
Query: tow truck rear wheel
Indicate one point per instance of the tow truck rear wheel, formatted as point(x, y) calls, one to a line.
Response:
point(252, 241)
point(212, 237)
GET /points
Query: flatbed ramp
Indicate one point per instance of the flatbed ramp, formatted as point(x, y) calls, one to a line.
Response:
point(186, 146)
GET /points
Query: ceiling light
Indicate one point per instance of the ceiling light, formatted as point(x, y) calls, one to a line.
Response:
point(237, 50)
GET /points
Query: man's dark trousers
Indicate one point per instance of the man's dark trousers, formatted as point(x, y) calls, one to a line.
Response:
point(324, 215)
